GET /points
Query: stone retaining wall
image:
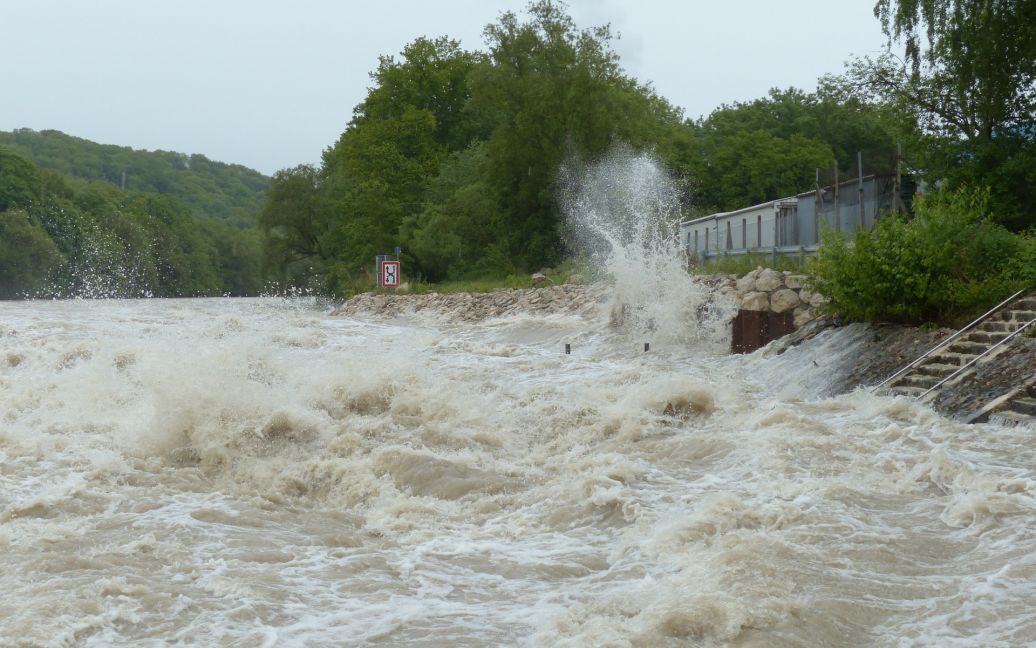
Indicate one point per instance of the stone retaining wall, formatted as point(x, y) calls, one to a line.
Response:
point(760, 290)
point(471, 307)
point(771, 291)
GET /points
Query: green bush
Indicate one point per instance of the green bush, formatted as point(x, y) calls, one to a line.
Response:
point(947, 264)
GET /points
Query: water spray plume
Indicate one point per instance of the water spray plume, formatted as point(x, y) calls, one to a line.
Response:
point(624, 211)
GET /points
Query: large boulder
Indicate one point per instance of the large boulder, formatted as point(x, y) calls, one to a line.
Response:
point(784, 300)
point(803, 314)
point(756, 301)
point(769, 280)
point(745, 284)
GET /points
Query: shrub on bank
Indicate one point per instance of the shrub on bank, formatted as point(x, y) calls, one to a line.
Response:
point(949, 263)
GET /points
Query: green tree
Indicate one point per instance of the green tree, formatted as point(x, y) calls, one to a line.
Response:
point(770, 147)
point(295, 221)
point(20, 185)
point(550, 89)
point(969, 79)
point(458, 231)
point(432, 76)
point(27, 255)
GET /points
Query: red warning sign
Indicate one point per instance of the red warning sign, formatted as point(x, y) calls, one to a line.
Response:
point(390, 274)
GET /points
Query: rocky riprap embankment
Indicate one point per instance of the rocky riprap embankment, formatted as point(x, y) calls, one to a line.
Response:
point(760, 290)
point(768, 290)
point(473, 307)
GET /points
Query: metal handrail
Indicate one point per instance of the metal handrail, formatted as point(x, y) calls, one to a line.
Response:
point(978, 357)
point(946, 342)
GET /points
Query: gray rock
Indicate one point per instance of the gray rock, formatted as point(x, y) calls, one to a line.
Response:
point(756, 301)
point(769, 280)
point(818, 300)
point(784, 300)
point(803, 314)
point(745, 284)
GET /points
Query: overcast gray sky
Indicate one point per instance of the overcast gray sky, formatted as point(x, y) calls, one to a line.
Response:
point(270, 84)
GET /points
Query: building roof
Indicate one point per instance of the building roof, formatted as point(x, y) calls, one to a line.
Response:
point(768, 203)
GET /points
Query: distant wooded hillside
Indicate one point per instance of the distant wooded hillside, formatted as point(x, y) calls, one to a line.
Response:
point(65, 237)
point(230, 193)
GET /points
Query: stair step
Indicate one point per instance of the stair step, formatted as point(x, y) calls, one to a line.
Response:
point(1025, 303)
point(984, 337)
point(917, 380)
point(1017, 315)
point(993, 326)
point(904, 390)
point(1010, 417)
point(1023, 404)
point(966, 347)
point(937, 369)
point(956, 359)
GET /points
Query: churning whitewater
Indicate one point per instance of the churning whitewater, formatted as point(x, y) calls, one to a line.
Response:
point(253, 472)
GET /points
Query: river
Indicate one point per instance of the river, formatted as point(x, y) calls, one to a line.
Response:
point(253, 472)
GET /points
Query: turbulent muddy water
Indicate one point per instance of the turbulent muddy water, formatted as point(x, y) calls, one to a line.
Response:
point(256, 473)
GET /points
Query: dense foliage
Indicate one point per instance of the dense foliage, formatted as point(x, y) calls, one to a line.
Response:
point(949, 262)
point(454, 155)
point(228, 193)
point(771, 148)
point(75, 238)
point(969, 83)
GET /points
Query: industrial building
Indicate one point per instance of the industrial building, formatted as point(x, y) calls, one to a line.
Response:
point(791, 226)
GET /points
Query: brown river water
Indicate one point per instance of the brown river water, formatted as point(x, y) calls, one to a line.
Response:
point(231, 472)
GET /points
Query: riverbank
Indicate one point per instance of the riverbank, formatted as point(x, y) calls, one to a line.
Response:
point(473, 307)
point(866, 353)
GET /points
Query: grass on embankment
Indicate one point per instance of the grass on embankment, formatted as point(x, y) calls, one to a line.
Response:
point(568, 271)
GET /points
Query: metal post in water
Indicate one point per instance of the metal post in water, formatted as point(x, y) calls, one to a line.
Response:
point(647, 347)
point(568, 349)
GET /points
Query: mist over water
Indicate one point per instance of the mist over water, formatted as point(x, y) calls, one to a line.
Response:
point(624, 210)
point(253, 472)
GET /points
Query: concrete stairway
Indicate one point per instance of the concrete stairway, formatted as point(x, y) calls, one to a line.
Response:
point(1018, 408)
point(955, 358)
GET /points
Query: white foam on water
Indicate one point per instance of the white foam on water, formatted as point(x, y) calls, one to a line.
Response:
point(624, 211)
point(253, 472)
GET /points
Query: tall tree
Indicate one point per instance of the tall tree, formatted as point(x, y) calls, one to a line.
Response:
point(552, 87)
point(969, 78)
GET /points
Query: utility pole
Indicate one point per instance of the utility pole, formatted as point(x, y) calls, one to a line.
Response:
point(838, 210)
point(817, 202)
point(897, 184)
point(859, 164)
